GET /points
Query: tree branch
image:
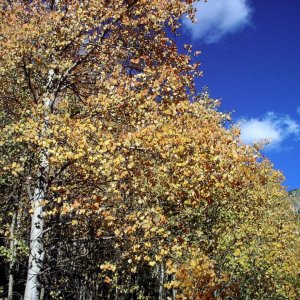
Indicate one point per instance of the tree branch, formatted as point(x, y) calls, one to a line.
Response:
point(28, 79)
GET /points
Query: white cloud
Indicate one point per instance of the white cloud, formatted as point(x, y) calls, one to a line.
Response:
point(217, 18)
point(271, 127)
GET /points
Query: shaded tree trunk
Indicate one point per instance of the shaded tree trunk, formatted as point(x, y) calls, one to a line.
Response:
point(13, 251)
point(173, 290)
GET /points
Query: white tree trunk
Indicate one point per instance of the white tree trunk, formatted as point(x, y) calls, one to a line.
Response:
point(161, 282)
point(36, 248)
point(36, 256)
point(173, 289)
point(13, 252)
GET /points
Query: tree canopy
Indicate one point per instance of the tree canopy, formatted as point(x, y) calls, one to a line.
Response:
point(118, 179)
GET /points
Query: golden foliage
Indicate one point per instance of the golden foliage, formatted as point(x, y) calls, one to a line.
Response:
point(142, 170)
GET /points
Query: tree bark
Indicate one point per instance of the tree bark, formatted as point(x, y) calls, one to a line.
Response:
point(13, 251)
point(173, 289)
point(36, 256)
point(36, 248)
point(161, 282)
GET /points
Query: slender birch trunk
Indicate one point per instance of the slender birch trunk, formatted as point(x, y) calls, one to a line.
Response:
point(12, 247)
point(161, 282)
point(173, 289)
point(36, 255)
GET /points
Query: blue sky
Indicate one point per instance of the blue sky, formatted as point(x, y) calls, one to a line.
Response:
point(251, 60)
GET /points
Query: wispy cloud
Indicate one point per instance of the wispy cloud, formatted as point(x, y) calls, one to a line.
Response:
point(271, 127)
point(298, 110)
point(217, 18)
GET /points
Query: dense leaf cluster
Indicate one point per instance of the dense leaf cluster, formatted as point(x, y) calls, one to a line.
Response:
point(136, 187)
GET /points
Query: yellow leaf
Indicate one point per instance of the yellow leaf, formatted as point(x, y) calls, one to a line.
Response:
point(107, 279)
point(237, 252)
point(74, 222)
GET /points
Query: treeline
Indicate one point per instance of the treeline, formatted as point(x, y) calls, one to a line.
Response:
point(117, 179)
